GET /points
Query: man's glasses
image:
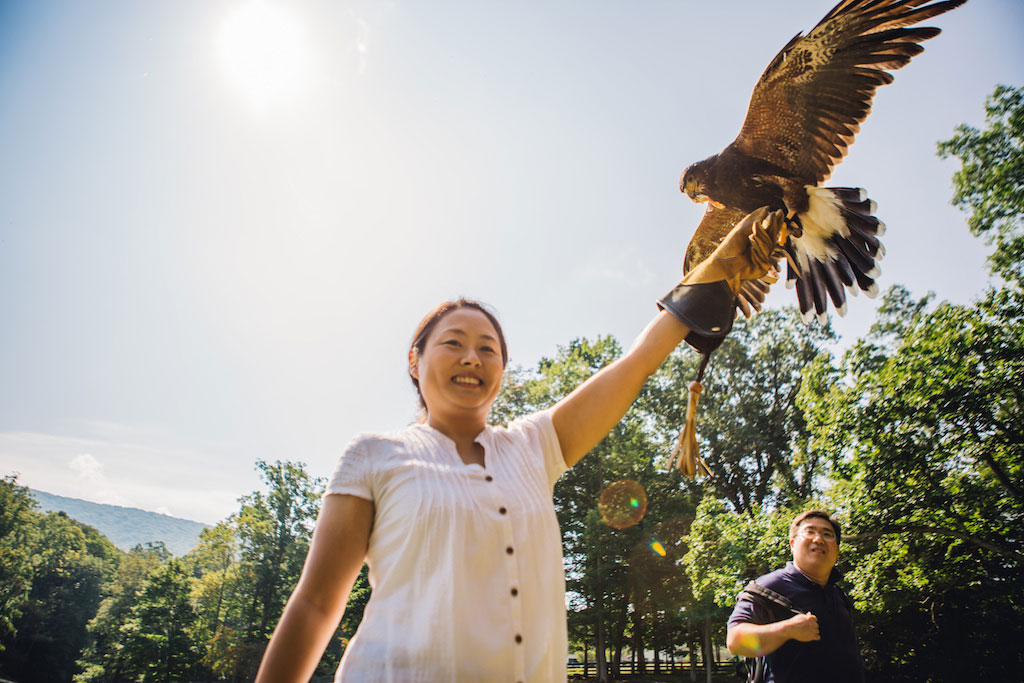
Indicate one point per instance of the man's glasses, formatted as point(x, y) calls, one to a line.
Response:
point(811, 532)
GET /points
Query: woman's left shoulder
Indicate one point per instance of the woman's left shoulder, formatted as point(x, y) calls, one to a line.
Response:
point(535, 439)
point(526, 427)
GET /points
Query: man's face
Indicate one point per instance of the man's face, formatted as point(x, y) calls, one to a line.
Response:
point(815, 549)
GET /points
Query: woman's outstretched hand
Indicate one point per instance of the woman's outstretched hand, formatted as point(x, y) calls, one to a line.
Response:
point(750, 251)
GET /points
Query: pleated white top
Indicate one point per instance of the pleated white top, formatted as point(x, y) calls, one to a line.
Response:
point(465, 561)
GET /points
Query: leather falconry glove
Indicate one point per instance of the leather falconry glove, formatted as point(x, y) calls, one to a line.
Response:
point(706, 299)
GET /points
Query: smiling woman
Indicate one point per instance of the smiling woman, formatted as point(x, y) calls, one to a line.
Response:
point(454, 517)
point(264, 53)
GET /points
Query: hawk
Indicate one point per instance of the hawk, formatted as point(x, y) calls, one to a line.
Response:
point(803, 115)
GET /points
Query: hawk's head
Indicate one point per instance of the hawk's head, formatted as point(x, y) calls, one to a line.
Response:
point(694, 181)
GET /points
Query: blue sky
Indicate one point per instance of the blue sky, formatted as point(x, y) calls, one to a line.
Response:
point(220, 221)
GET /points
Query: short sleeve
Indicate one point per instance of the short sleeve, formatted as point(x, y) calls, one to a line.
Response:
point(540, 428)
point(353, 474)
point(747, 612)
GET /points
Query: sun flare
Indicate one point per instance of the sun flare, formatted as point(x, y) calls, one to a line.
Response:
point(264, 53)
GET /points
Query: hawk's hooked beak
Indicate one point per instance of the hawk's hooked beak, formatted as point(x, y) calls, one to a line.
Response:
point(693, 192)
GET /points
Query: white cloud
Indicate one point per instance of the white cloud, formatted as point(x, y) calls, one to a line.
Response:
point(87, 467)
point(90, 472)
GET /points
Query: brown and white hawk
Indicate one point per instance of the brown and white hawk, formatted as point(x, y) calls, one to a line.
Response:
point(803, 115)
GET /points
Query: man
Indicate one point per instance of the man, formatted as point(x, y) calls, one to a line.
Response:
point(818, 644)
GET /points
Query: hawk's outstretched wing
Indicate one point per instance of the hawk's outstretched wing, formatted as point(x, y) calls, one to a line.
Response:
point(809, 103)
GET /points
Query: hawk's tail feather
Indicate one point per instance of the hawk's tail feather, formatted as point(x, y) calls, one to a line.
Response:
point(865, 228)
point(859, 258)
point(805, 299)
point(818, 281)
point(792, 270)
point(839, 250)
point(834, 285)
point(844, 270)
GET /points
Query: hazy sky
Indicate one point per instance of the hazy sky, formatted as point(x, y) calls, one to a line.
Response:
point(220, 221)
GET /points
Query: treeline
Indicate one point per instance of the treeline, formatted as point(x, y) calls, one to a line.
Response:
point(912, 436)
point(77, 608)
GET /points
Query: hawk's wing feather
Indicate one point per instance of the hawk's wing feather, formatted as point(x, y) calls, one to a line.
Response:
point(808, 104)
point(712, 229)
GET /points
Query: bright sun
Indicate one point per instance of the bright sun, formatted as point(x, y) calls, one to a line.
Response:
point(264, 53)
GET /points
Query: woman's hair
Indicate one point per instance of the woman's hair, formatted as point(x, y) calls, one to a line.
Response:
point(430, 321)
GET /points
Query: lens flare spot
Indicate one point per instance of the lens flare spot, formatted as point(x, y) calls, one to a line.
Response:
point(622, 504)
point(751, 642)
point(657, 547)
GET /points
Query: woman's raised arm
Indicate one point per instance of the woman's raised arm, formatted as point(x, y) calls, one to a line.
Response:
point(585, 416)
point(705, 299)
point(315, 607)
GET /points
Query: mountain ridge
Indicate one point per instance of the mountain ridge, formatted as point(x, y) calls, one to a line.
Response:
point(126, 527)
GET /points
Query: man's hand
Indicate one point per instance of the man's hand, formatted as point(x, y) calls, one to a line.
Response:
point(802, 627)
point(750, 251)
point(755, 640)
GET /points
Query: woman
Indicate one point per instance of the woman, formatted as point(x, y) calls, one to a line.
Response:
point(455, 518)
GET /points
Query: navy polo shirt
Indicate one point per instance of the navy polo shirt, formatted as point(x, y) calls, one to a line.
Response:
point(834, 658)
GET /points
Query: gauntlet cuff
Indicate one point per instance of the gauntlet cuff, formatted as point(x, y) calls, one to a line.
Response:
point(707, 308)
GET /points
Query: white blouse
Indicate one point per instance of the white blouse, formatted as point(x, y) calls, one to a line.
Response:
point(465, 561)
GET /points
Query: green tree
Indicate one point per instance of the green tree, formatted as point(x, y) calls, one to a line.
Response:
point(213, 565)
point(103, 659)
point(920, 423)
point(70, 564)
point(925, 437)
point(16, 526)
point(750, 429)
point(990, 182)
point(160, 644)
point(273, 530)
point(726, 549)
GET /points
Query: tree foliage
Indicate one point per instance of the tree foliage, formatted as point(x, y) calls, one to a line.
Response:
point(921, 425)
point(925, 440)
point(15, 567)
point(990, 182)
point(751, 431)
point(69, 563)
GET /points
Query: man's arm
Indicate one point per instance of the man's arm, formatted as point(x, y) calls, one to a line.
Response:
point(754, 640)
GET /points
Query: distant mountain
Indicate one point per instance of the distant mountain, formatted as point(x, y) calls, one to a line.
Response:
point(126, 527)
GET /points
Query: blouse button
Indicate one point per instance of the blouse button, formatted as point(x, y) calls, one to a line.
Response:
point(509, 550)
point(502, 510)
point(489, 478)
point(515, 592)
point(519, 638)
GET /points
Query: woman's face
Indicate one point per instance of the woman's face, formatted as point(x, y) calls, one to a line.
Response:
point(460, 368)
